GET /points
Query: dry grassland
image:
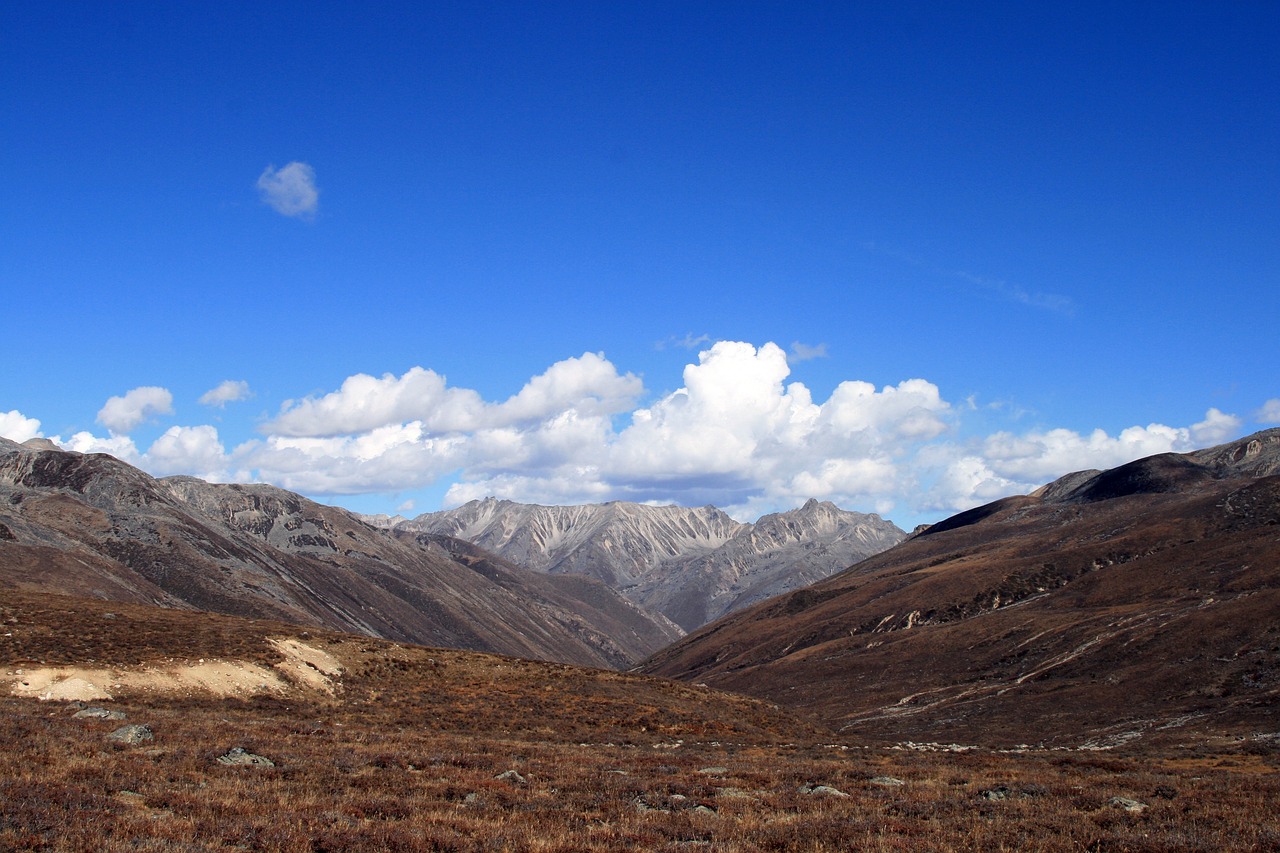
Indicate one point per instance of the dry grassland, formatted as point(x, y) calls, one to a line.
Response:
point(419, 749)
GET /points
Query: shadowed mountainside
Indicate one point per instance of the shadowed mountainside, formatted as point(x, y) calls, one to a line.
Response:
point(1108, 606)
point(91, 525)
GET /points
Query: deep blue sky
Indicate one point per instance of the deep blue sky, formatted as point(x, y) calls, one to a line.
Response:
point(1060, 217)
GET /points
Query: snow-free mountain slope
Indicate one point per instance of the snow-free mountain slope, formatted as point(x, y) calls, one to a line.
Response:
point(1138, 602)
point(689, 564)
point(92, 525)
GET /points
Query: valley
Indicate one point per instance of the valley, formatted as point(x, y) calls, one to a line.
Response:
point(1092, 666)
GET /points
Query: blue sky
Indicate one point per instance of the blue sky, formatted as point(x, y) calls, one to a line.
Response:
point(907, 257)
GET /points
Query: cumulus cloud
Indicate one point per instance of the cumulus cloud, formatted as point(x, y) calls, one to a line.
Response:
point(122, 414)
point(193, 450)
point(1005, 464)
point(588, 385)
point(290, 190)
point(734, 431)
point(229, 391)
point(17, 427)
point(737, 432)
point(120, 446)
point(1269, 413)
point(1216, 428)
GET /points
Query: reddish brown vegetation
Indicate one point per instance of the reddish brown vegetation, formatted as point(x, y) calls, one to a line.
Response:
point(1109, 615)
point(406, 757)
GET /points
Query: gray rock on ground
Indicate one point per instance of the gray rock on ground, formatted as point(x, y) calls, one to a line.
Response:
point(241, 757)
point(132, 734)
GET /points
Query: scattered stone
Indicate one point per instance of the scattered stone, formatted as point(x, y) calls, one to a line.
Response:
point(1131, 806)
point(886, 781)
point(511, 776)
point(471, 799)
point(1000, 792)
point(642, 807)
point(98, 714)
point(704, 810)
point(822, 790)
point(714, 771)
point(131, 734)
point(240, 757)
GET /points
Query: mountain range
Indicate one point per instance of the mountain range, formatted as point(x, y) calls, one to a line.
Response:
point(1133, 604)
point(1108, 606)
point(691, 565)
point(93, 526)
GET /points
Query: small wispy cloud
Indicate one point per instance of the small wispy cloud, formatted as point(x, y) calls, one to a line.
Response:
point(230, 391)
point(1017, 293)
point(1001, 288)
point(805, 352)
point(689, 341)
point(290, 190)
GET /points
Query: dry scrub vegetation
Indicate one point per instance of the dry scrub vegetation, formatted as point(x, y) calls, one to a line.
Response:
point(413, 752)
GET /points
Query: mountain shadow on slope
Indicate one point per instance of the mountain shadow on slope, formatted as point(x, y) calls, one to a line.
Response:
point(1133, 605)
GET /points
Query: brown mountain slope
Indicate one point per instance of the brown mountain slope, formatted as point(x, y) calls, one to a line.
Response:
point(92, 525)
point(1137, 602)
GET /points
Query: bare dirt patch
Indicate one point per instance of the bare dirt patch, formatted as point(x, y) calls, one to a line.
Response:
point(74, 683)
point(308, 666)
point(303, 665)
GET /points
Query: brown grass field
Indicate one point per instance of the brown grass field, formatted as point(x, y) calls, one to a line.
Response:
point(409, 752)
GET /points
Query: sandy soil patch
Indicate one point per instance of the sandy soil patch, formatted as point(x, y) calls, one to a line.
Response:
point(304, 666)
point(308, 666)
point(73, 683)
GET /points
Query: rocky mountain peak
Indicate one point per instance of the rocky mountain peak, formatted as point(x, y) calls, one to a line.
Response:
point(689, 564)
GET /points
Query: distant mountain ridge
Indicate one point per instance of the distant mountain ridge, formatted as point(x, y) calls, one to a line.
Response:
point(91, 525)
point(691, 565)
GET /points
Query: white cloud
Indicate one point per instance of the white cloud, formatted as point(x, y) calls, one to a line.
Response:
point(290, 190)
point(588, 385)
point(1269, 413)
point(1215, 428)
point(229, 391)
point(365, 402)
point(193, 450)
point(122, 414)
point(735, 433)
point(387, 459)
point(16, 427)
point(1005, 464)
point(119, 446)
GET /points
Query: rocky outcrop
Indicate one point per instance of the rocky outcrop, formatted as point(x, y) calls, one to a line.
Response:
point(689, 564)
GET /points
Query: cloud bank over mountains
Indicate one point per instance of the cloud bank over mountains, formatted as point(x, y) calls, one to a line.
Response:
point(735, 434)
